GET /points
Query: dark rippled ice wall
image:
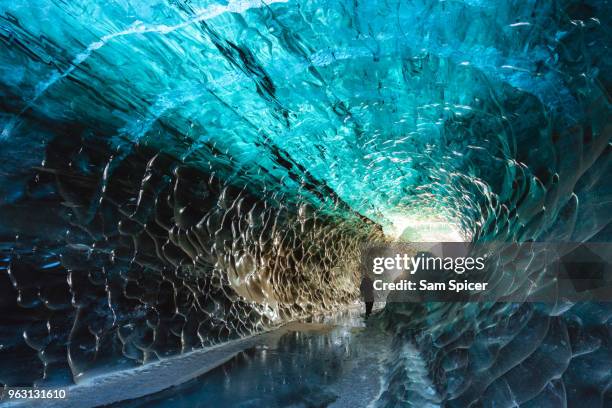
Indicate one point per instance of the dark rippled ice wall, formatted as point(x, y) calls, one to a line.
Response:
point(177, 174)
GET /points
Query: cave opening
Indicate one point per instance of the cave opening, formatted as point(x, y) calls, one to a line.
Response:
point(424, 228)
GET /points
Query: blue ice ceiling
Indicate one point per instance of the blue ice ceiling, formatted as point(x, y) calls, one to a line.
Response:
point(379, 102)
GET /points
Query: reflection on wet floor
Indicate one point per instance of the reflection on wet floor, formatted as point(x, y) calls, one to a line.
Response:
point(328, 361)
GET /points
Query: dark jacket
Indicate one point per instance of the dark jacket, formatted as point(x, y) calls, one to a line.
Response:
point(367, 289)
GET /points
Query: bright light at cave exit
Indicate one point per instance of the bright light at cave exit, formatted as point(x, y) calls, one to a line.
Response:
point(423, 228)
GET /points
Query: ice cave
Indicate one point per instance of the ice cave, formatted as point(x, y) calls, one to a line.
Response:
point(179, 178)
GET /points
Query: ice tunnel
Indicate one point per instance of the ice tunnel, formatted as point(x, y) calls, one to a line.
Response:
point(176, 175)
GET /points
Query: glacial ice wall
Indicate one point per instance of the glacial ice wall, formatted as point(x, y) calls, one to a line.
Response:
point(176, 174)
point(138, 258)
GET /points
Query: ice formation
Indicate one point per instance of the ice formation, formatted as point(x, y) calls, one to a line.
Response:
point(177, 174)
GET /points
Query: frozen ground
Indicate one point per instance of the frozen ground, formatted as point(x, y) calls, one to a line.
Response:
point(329, 361)
point(334, 361)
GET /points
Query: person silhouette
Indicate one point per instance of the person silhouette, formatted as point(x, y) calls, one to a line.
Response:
point(367, 293)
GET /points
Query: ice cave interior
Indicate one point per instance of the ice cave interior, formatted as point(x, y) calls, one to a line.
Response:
point(178, 174)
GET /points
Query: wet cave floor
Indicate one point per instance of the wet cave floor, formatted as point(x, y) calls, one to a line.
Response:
point(335, 361)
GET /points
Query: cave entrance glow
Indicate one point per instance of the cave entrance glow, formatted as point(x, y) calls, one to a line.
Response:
point(426, 227)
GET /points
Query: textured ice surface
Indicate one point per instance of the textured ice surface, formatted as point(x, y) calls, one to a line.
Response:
point(273, 369)
point(279, 370)
point(177, 174)
point(156, 258)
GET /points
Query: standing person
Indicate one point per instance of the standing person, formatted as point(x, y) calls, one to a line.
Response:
point(367, 293)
